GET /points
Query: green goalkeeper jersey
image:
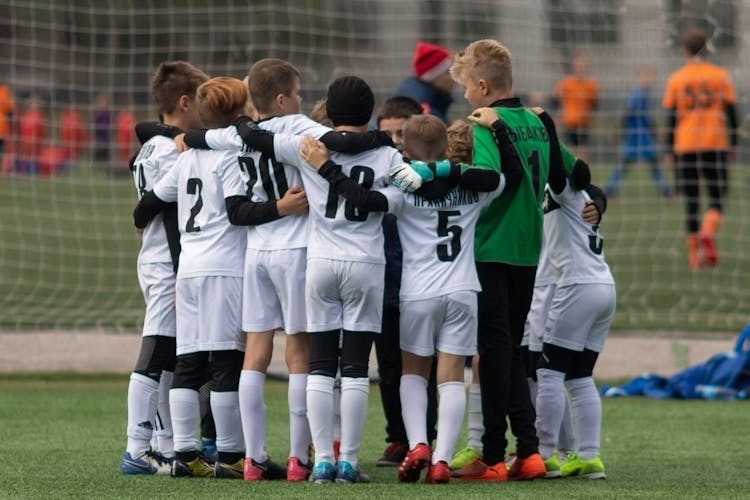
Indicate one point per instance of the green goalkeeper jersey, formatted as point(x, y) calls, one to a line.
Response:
point(510, 228)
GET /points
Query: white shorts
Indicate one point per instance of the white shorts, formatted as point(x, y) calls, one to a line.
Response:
point(447, 323)
point(157, 282)
point(344, 294)
point(274, 290)
point(580, 316)
point(208, 314)
point(536, 320)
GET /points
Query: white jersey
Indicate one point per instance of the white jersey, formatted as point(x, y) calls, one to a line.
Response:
point(336, 229)
point(268, 179)
point(200, 181)
point(155, 158)
point(574, 247)
point(546, 274)
point(437, 237)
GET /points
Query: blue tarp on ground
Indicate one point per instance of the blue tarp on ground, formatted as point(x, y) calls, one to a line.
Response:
point(723, 376)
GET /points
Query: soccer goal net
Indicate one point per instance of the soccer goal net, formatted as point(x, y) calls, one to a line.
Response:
point(79, 72)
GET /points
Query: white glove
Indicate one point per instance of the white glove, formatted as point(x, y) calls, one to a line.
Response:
point(405, 178)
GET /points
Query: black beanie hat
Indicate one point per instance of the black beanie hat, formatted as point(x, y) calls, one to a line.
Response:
point(350, 101)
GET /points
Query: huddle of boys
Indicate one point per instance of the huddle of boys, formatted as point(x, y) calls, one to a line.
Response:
point(314, 240)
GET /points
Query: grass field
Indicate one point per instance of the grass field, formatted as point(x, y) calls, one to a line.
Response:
point(63, 436)
point(68, 250)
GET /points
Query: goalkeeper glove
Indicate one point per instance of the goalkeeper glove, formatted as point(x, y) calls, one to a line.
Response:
point(405, 178)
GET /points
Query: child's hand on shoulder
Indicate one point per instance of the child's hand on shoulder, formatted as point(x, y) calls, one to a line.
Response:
point(314, 152)
point(484, 117)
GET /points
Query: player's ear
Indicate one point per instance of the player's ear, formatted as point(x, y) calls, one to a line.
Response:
point(183, 102)
point(280, 98)
point(484, 87)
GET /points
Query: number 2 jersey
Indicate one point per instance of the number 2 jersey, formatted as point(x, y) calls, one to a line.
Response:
point(574, 248)
point(267, 179)
point(199, 182)
point(437, 237)
point(155, 158)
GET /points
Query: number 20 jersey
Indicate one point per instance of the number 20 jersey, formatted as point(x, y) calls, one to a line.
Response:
point(268, 179)
point(437, 238)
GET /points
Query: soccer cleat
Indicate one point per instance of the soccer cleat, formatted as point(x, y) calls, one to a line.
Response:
point(552, 466)
point(439, 473)
point(479, 471)
point(150, 463)
point(229, 471)
point(393, 455)
point(346, 473)
point(323, 472)
point(197, 467)
point(414, 461)
point(259, 471)
point(692, 246)
point(296, 470)
point(465, 457)
point(526, 469)
point(574, 466)
point(710, 254)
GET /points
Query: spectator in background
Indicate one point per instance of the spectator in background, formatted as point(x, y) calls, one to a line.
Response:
point(72, 134)
point(639, 138)
point(126, 140)
point(102, 118)
point(6, 110)
point(702, 136)
point(431, 86)
point(32, 131)
point(55, 158)
point(578, 95)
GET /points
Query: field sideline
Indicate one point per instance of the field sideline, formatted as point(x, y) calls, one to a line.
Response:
point(63, 437)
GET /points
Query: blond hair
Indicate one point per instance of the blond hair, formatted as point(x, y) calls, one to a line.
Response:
point(485, 59)
point(221, 100)
point(460, 142)
point(425, 137)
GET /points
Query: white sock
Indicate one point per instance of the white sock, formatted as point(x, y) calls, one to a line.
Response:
point(354, 395)
point(320, 416)
point(550, 405)
point(143, 393)
point(337, 408)
point(253, 414)
point(586, 411)
point(185, 409)
point(226, 409)
point(299, 428)
point(450, 419)
point(413, 392)
point(163, 427)
point(566, 443)
point(475, 422)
